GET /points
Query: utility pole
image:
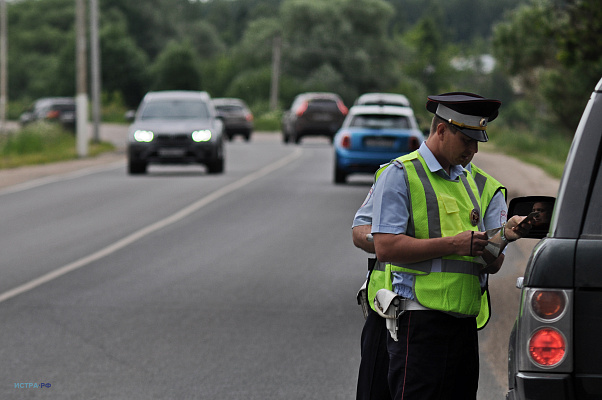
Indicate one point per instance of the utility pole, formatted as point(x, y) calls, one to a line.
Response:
point(276, 46)
point(81, 99)
point(3, 65)
point(95, 60)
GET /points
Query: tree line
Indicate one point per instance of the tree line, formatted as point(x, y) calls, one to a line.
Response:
point(546, 51)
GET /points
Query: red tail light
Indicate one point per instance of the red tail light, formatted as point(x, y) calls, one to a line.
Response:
point(346, 141)
point(344, 110)
point(52, 114)
point(249, 117)
point(547, 347)
point(301, 109)
point(413, 143)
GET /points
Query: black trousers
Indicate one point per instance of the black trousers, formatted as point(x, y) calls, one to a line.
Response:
point(372, 382)
point(435, 358)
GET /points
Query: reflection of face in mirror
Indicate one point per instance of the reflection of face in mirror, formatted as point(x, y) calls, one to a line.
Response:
point(542, 220)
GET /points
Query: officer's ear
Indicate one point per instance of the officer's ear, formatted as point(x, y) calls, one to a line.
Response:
point(440, 131)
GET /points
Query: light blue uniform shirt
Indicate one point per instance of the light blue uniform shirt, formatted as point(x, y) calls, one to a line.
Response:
point(386, 208)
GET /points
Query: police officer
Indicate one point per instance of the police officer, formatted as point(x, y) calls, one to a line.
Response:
point(425, 225)
point(372, 378)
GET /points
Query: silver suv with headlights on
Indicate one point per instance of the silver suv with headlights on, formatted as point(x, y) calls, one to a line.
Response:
point(175, 127)
point(554, 350)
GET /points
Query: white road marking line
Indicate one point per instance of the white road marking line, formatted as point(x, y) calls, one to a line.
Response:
point(126, 241)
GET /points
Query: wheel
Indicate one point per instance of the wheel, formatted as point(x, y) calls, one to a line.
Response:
point(340, 176)
point(285, 137)
point(216, 166)
point(136, 167)
point(297, 138)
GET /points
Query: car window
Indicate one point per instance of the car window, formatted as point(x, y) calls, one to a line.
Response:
point(175, 109)
point(593, 220)
point(378, 121)
point(229, 108)
point(64, 107)
point(322, 104)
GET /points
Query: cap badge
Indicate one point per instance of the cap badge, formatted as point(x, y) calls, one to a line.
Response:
point(474, 217)
point(483, 122)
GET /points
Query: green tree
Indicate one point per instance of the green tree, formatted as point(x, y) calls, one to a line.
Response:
point(347, 36)
point(41, 49)
point(177, 68)
point(524, 43)
point(124, 65)
point(205, 39)
point(551, 52)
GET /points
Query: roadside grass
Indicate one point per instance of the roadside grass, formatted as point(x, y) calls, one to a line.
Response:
point(549, 152)
point(41, 144)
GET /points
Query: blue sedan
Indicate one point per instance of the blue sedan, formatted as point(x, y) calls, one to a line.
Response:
point(372, 136)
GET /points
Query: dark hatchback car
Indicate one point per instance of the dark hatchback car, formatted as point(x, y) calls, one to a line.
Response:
point(237, 117)
point(51, 109)
point(175, 127)
point(554, 349)
point(313, 114)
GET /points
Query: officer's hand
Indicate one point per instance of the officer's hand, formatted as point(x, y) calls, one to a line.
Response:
point(515, 229)
point(471, 243)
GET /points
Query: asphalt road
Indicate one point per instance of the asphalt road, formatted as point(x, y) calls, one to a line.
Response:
point(183, 285)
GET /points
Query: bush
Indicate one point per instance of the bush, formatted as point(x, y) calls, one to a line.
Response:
point(42, 143)
point(269, 121)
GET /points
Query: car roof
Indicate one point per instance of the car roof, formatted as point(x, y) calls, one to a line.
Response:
point(319, 95)
point(383, 98)
point(383, 110)
point(63, 100)
point(177, 94)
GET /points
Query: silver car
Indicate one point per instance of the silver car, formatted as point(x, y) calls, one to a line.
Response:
point(175, 127)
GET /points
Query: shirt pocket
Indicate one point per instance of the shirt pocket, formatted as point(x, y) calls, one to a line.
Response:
point(451, 223)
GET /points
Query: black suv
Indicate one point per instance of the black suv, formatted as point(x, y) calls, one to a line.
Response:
point(554, 349)
point(51, 109)
point(313, 114)
point(237, 117)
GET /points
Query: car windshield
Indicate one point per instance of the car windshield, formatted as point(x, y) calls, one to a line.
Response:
point(64, 107)
point(380, 121)
point(175, 109)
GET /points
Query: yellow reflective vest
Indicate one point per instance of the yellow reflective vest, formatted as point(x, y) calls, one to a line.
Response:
point(449, 284)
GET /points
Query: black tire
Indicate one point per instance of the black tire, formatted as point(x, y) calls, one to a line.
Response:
point(136, 167)
point(215, 167)
point(340, 176)
point(297, 139)
point(285, 137)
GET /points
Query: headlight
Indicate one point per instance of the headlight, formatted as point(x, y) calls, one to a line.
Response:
point(143, 136)
point(202, 135)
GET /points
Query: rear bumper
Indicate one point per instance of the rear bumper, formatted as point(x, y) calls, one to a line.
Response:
point(353, 161)
point(542, 386)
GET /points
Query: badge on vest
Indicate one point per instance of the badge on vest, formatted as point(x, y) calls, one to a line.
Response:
point(474, 217)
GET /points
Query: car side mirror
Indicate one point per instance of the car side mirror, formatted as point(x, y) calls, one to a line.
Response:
point(543, 206)
point(130, 115)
